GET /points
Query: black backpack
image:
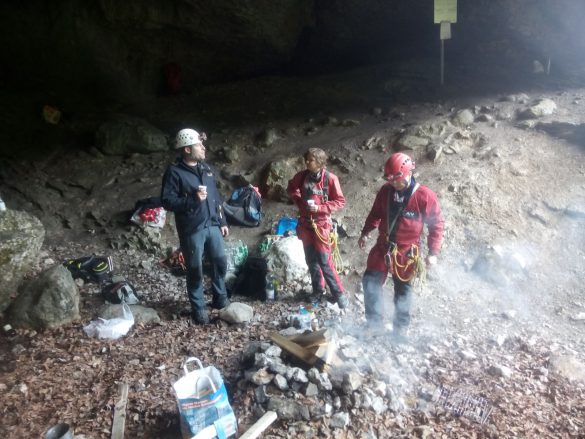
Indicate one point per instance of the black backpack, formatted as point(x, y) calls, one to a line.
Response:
point(120, 292)
point(91, 268)
point(244, 208)
point(251, 280)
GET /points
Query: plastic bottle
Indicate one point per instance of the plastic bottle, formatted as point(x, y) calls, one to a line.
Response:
point(270, 293)
point(9, 330)
point(2, 206)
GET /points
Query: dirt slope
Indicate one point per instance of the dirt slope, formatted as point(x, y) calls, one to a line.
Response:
point(501, 184)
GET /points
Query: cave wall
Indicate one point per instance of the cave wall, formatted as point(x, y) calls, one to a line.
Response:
point(112, 50)
point(91, 57)
point(115, 50)
point(515, 32)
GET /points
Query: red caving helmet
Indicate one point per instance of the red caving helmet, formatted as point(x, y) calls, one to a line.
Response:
point(398, 167)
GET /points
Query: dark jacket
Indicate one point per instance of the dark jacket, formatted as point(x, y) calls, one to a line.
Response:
point(179, 195)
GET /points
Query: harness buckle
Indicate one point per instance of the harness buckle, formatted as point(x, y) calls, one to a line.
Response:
point(388, 256)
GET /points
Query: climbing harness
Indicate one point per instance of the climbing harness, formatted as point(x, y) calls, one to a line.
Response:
point(332, 239)
point(410, 269)
point(414, 267)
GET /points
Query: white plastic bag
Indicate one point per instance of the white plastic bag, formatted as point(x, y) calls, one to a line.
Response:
point(113, 328)
point(203, 401)
point(152, 217)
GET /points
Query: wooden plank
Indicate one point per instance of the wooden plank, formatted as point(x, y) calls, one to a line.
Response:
point(311, 339)
point(294, 349)
point(328, 354)
point(259, 426)
point(119, 422)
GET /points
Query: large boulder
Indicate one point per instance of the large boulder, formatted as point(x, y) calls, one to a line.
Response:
point(286, 258)
point(277, 176)
point(127, 134)
point(21, 235)
point(541, 108)
point(48, 301)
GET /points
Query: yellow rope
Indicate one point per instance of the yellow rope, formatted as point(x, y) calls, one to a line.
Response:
point(332, 242)
point(413, 258)
point(335, 252)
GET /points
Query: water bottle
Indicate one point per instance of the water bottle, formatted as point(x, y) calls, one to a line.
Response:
point(270, 287)
point(2, 205)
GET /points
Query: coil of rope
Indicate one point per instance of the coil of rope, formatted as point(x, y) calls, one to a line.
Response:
point(414, 263)
point(332, 241)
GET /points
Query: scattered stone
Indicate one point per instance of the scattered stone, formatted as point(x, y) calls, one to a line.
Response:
point(464, 118)
point(340, 420)
point(261, 377)
point(350, 123)
point(280, 382)
point(467, 355)
point(485, 118)
point(311, 390)
point(288, 410)
point(410, 142)
point(500, 371)
point(267, 137)
point(237, 312)
point(351, 382)
point(578, 317)
point(543, 107)
point(297, 374)
point(567, 366)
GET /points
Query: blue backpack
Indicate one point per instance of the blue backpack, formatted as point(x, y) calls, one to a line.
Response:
point(244, 207)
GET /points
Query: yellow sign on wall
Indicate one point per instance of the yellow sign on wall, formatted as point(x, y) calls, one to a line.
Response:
point(446, 10)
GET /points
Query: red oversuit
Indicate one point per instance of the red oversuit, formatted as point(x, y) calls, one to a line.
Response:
point(306, 186)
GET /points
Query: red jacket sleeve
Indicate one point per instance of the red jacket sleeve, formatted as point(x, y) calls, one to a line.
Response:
point(433, 217)
point(335, 198)
point(294, 188)
point(378, 211)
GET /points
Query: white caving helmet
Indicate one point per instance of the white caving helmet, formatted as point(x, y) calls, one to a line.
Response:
point(187, 137)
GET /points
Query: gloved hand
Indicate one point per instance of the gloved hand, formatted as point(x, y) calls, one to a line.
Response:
point(430, 260)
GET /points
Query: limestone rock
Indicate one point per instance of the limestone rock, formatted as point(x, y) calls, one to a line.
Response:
point(277, 176)
point(568, 366)
point(237, 312)
point(48, 301)
point(22, 236)
point(287, 259)
point(288, 410)
point(464, 118)
point(126, 134)
point(543, 107)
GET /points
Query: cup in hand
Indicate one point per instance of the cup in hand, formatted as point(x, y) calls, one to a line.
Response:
point(310, 203)
point(202, 189)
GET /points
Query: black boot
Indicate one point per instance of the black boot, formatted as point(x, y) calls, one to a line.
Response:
point(220, 302)
point(200, 317)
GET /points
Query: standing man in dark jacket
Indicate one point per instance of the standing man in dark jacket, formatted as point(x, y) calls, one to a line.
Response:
point(317, 194)
point(401, 209)
point(189, 190)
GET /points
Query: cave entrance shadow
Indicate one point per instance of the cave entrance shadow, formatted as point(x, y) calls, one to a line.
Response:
point(574, 133)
